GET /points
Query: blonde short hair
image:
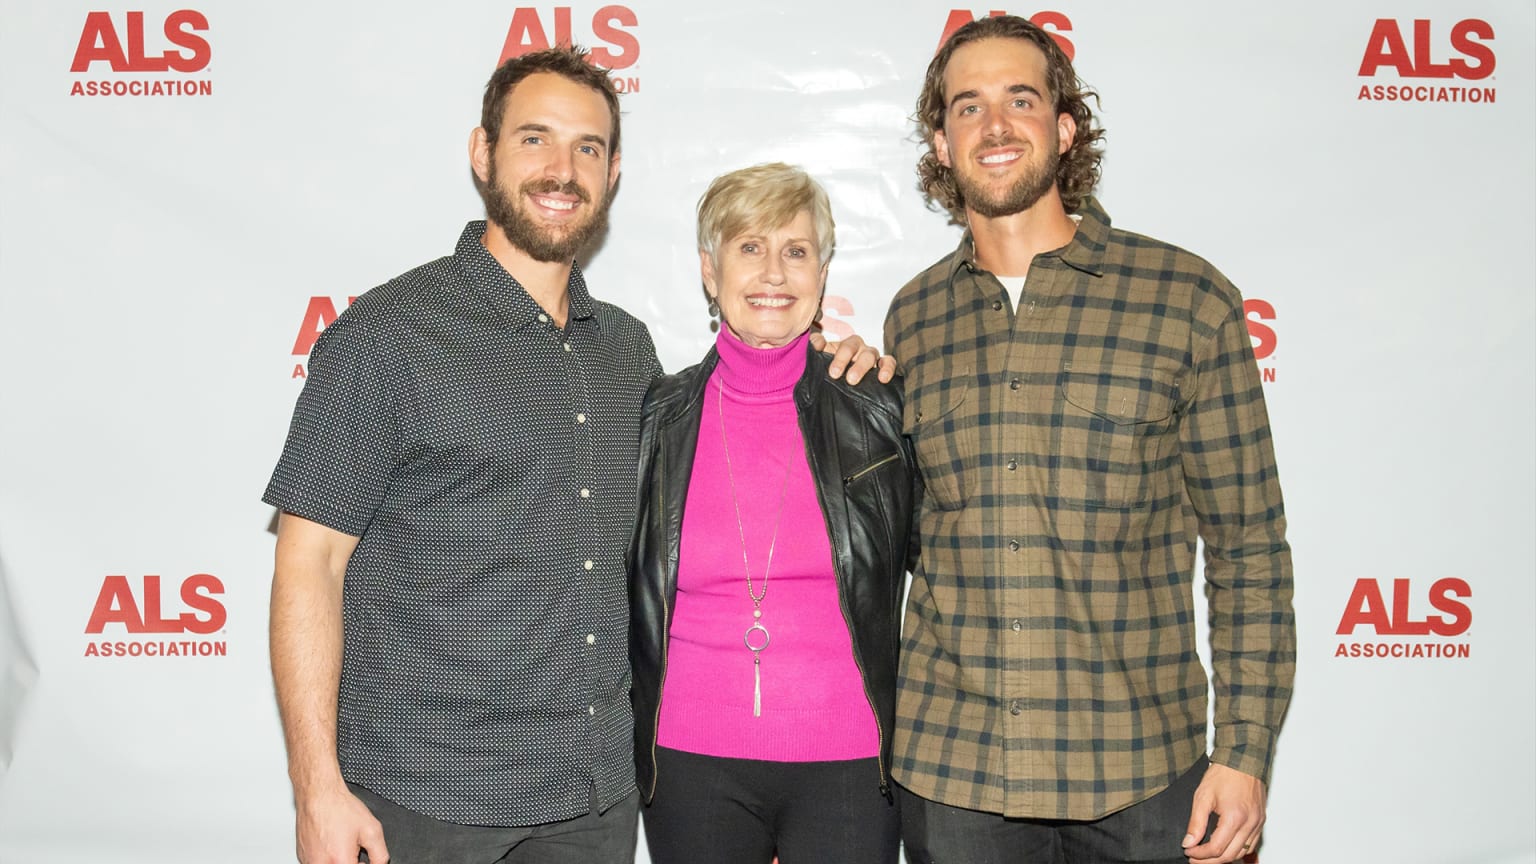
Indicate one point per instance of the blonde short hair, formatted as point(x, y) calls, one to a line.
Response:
point(763, 197)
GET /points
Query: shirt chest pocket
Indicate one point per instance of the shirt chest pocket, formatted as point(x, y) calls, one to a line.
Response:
point(940, 421)
point(1118, 437)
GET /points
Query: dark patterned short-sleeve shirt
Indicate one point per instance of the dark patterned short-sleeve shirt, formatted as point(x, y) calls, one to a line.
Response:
point(486, 460)
point(1073, 451)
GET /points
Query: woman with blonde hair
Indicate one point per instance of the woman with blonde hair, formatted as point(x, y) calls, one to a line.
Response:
point(768, 562)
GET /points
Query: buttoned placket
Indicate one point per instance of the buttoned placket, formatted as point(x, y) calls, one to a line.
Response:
point(586, 474)
point(1014, 343)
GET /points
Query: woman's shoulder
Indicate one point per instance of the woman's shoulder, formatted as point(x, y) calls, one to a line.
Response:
point(668, 391)
point(870, 392)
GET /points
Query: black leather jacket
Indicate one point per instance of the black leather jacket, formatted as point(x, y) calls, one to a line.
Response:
point(865, 474)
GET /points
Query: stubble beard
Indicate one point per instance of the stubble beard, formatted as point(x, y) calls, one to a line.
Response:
point(1020, 196)
point(525, 232)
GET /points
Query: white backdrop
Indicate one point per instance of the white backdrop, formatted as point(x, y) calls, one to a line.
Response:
point(161, 255)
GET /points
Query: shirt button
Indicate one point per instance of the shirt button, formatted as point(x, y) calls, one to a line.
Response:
point(587, 565)
point(1014, 383)
point(543, 319)
point(1015, 708)
point(591, 709)
point(581, 418)
point(1017, 625)
point(586, 493)
point(997, 305)
point(591, 639)
point(567, 346)
point(1013, 545)
point(1013, 464)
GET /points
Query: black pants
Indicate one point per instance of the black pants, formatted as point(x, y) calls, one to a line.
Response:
point(1148, 832)
point(711, 809)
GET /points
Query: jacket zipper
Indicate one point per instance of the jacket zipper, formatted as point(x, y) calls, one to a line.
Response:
point(842, 603)
point(666, 626)
point(886, 461)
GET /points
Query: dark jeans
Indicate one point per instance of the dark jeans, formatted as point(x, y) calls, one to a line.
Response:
point(1148, 832)
point(412, 838)
point(711, 809)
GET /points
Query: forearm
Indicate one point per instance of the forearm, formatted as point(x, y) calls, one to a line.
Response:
point(306, 649)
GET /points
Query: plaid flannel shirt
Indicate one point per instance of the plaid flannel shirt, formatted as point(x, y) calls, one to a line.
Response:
point(1072, 452)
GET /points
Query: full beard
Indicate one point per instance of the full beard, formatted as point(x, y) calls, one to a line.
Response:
point(537, 240)
point(1016, 198)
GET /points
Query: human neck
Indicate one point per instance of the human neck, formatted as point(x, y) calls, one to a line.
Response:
point(546, 282)
point(1005, 245)
point(760, 371)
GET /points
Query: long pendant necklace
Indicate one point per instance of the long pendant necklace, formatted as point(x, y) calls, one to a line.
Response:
point(756, 638)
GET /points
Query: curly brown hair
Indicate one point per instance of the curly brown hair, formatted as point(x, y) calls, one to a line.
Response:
point(567, 61)
point(1078, 171)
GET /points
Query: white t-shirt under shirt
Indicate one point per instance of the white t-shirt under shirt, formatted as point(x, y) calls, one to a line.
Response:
point(1014, 285)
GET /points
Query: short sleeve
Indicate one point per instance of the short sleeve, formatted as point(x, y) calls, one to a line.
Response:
point(342, 443)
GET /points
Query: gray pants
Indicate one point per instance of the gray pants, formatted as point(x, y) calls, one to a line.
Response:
point(605, 838)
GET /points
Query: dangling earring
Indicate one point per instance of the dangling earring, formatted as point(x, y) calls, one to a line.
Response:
point(714, 316)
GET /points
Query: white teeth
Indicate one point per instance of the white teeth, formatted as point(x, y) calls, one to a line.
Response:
point(770, 302)
point(556, 205)
point(999, 159)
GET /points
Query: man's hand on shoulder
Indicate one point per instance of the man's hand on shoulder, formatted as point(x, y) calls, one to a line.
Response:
point(1238, 800)
point(333, 826)
point(855, 357)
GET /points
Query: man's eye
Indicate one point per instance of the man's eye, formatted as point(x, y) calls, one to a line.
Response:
point(532, 139)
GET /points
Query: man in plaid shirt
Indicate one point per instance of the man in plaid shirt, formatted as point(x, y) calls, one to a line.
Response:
point(1084, 403)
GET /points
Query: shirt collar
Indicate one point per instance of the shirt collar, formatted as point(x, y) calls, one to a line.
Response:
point(1085, 251)
point(491, 282)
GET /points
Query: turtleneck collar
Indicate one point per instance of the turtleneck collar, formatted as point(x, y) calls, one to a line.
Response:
point(759, 371)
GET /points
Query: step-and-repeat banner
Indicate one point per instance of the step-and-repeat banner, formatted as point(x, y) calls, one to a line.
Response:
point(190, 194)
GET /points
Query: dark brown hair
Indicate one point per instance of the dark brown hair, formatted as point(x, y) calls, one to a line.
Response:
point(1078, 172)
point(567, 61)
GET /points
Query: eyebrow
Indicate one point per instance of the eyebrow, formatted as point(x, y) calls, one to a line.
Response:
point(1016, 88)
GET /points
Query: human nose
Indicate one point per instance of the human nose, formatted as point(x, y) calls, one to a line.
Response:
point(773, 270)
point(562, 166)
point(993, 123)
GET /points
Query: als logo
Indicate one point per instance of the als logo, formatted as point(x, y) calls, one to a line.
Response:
point(1468, 57)
point(129, 49)
point(609, 39)
point(1055, 23)
point(834, 310)
point(1265, 340)
point(141, 610)
point(1368, 608)
point(318, 315)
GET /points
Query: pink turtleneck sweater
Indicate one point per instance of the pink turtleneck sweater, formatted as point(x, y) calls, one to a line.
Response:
point(813, 702)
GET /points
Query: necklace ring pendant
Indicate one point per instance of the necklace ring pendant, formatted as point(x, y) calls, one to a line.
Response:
point(748, 638)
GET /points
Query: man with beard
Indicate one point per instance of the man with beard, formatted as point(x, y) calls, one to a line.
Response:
point(1085, 404)
point(449, 629)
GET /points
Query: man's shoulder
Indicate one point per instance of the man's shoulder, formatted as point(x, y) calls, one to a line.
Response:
point(395, 300)
point(935, 277)
point(1178, 280)
point(626, 332)
point(1131, 253)
point(610, 314)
